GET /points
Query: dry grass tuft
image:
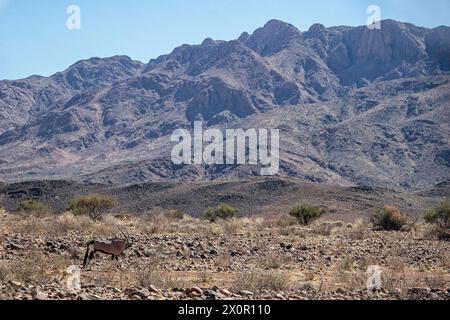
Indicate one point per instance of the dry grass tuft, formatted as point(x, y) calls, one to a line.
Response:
point(272, 261)
point(279, 220)
point(161, 223)
point(347, 264)
point(357, 230)
point(437, 280)
point(65, 223)
point(163, 280)
point(324, 229)
point(231, 227)
point(392, 280)
point(258, 281)
point(28, 270)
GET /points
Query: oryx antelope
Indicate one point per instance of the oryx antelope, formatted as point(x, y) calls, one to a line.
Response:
point(113, 247)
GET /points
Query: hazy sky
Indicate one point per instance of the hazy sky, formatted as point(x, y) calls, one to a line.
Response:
point(34, 38)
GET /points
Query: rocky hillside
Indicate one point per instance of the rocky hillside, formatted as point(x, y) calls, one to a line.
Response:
point(354, 106)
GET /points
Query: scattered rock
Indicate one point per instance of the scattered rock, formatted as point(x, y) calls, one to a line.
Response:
point(16, 284)
point(246, 293)
point(194, 292)
point(225, 292)
point(14, 246)
point(39, 295)
point(153, 289)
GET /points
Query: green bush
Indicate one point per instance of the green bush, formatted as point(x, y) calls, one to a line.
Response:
point(389, 219)
point(33, 207)
point(305, 214)
point(223, 211)
point(93, 205)
point(440, 216)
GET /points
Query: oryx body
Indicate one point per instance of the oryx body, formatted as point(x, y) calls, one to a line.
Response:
point(113, 247)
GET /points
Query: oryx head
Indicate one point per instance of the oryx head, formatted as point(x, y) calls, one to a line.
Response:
point(127, 237)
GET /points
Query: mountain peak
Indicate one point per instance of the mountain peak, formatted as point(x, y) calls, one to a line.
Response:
point(278, 25)
point(243, 37)
point(317, 30)
point(272, 38)
point(98, 72)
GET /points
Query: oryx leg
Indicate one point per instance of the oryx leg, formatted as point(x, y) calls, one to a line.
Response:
point(88, 256)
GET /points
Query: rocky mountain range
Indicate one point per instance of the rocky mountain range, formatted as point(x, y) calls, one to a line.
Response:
point(354, 107)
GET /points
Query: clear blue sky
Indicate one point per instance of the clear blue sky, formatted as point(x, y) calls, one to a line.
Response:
point(34, 38)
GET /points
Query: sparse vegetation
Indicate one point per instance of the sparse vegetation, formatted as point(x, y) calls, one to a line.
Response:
point(33, 207)
point(279, 220)
point(272, 261)
point(389, 219)
point(305, 214)
point(4, 272)
point(31, 269)
point(357, 230)
point(440, 217)
point(175, 215)
point(231, 226)
point(163, 280)
point(323, 229)
point(105, 279)
point(93, 205)
point(234, 256)
point(221, 212)
point(257, 281)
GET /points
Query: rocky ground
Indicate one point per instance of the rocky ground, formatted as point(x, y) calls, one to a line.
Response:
point(259, 258)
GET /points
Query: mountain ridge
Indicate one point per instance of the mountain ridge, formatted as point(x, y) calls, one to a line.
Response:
point(105, 113)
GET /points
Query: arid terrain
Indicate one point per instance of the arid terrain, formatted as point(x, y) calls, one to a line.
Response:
point(267, 255)
point(364, 125)
point(250, 196)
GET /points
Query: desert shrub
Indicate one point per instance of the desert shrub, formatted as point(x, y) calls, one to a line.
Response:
point(106, 279)
point(33, 207)
point(389, 219)
point(222, 211)
point(358, 232)
point(279, 220)
point(30, 270)
point(93, 205)
point(323, 229)
point(436, 280)
point(68, 222)
point(305, 214)
point(231, 226)
point(393, 280)
point(440, 217)
point(4, 272)
point(175, 215)
point(346, 264)
point(147, 276)
point(272, 261)
point(258, 281)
